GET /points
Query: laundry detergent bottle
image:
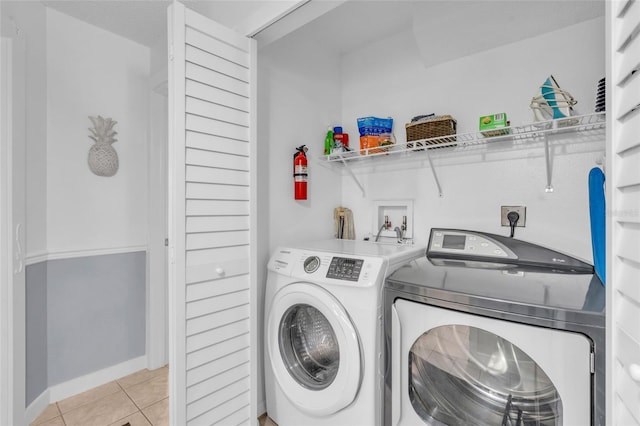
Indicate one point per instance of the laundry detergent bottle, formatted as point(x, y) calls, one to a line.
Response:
point(328, 141)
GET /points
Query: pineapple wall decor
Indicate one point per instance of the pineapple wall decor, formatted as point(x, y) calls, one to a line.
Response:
point(103, 158)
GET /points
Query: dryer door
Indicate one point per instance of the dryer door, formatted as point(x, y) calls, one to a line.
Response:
point(458, 368)
point(314, 349)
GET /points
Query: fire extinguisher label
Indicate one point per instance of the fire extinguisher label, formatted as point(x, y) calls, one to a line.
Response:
point(300, 178)
point(300, 169)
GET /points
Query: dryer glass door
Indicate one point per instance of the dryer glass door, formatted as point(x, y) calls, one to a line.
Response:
point(309, 346)
point(461, 374)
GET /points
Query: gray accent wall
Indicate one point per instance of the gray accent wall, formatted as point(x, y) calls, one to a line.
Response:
point(36, 330)
point(84, 314)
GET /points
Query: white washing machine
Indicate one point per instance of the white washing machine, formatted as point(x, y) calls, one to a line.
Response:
point(490, 330)
point(323, 331)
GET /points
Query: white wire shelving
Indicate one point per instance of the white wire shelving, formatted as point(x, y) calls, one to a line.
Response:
point(539, 134)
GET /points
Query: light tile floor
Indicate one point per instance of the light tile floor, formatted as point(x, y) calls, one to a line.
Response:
point(265, 420)
point(140, 399)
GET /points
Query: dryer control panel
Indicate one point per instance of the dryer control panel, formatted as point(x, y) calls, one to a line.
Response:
point(447, 241)
point(476, 246)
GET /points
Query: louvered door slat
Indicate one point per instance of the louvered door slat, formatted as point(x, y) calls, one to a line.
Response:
point(225, 257)
point(217, 366)
point(228, 316)
point(212, 187)
point(221, 413)
point(215, 143)
point(629, 134)
point(215, 304)
point(213, 45)
point(624, 215)
point(222, 112)
point(215, 288)
point(196, 157)
point(198, 90)
point(213, 175)
point(212, 191)
point(217, 223)
point(217, 239)
point(203, 388)
point(218, 80)
point(213, 352)
point(205, 59)
point(628, 98)
point(629, 25)
point(203, 405)
point(212, 126)
point(627, 272)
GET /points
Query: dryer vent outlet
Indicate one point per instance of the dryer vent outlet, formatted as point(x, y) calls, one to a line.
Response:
point(521, 210)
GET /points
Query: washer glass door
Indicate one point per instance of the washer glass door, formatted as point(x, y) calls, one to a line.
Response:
point(314, 349)
point(309, 346)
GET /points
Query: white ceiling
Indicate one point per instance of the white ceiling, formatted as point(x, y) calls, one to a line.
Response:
point(145, 21)
point(446, 28)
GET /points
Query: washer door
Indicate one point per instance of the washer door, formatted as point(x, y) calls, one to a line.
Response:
point(314, 349)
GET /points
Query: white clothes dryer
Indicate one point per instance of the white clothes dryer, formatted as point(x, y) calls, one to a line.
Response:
point(323, 331)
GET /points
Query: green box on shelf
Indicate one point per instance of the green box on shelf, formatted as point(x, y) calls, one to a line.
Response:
point(494, 125)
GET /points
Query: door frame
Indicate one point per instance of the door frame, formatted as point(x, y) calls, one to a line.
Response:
point(6, 225)
point(12, 226)
point(157, 271)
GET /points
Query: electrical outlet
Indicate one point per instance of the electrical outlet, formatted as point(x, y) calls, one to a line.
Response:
point(521, 210)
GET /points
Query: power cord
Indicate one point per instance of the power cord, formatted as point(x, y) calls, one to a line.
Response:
point(513, 218)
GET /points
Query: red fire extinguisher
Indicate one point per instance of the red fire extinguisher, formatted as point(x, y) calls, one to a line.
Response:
point(300, 173)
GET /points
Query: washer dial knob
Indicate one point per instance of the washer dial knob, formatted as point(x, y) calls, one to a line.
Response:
point(311, 264)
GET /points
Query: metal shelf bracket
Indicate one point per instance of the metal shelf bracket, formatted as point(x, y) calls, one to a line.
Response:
point(353, 176)
point(435, 176)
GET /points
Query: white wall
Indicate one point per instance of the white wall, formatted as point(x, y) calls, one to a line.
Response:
point(299, 96)
point(499, 80)
point(93, 72)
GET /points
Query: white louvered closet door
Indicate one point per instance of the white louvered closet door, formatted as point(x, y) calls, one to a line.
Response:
point(212, 216)
point(623, 382)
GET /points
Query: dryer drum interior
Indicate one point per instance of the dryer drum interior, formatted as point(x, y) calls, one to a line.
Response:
point(309, 347)
point(466, 375)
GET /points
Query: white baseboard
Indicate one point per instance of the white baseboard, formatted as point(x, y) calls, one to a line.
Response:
point(97, 378)
point(37, 406)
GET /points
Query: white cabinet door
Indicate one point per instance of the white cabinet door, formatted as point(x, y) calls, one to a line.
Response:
point(211, 219)
point(623, 196)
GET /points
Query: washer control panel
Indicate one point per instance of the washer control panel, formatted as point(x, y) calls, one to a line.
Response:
point(344, 268)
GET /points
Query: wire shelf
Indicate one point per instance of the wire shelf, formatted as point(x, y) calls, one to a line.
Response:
point(519, 135)
point(590, 128)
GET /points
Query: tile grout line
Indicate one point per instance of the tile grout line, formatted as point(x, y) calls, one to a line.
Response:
point(64, 422)
point(132, 401)
point(145, 416)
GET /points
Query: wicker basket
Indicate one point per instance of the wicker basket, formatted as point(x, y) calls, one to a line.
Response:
point(432, 128)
